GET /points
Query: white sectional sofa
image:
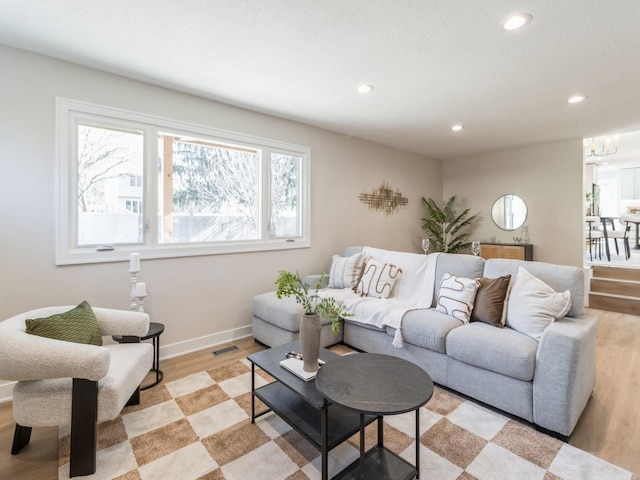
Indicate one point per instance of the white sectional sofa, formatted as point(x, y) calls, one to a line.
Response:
point(541, 373)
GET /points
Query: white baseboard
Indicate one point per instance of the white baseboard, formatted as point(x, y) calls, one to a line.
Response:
point(6, 391)
point(169, 351)
point(200, 343)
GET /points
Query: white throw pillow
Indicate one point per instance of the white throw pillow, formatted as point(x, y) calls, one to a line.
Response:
point(533, 305)
point(457, 296)
point(378, 279)
point(345, 271)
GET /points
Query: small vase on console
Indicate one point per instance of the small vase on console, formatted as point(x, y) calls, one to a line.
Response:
point(310, 342)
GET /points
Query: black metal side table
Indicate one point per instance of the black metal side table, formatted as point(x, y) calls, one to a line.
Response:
point(370, 383)
point(155, 330)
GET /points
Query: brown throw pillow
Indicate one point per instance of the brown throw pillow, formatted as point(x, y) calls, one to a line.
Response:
point(490, 300)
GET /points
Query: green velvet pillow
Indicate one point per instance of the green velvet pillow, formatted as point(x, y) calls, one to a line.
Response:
point(78, 325)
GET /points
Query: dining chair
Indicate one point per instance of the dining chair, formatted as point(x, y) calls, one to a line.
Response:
point(594, 235)
point(623, 234)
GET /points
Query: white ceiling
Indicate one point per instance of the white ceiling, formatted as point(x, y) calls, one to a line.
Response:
point(433, 63)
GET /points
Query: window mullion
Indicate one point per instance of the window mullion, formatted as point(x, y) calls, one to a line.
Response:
point(150, 200)
point(265, 162)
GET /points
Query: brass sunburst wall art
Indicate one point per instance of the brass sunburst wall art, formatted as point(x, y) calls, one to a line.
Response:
point(384, 199)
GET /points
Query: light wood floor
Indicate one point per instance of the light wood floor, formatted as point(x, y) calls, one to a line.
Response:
point(609, 427)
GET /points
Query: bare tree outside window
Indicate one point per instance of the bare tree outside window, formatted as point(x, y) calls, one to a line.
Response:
point(210, 191)
point(107, 159)
point(285, 184)
point(130, 181)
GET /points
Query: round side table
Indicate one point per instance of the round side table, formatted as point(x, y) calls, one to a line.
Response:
point(155, 330)
point(370, 383)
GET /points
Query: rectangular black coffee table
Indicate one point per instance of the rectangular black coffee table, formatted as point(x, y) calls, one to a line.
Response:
point(300, 404)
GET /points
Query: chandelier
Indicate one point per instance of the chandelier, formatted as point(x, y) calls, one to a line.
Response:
point(607, 147)
point(384, 199)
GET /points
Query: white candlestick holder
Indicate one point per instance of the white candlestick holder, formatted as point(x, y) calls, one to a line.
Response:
point(140, 302)
point(134, 299)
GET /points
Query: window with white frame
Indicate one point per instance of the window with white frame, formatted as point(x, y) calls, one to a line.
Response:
point(134, 182)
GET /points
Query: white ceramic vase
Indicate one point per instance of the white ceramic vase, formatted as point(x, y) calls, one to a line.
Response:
point(310, 342)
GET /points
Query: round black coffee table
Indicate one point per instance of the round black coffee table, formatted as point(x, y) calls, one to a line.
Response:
point(375, 384)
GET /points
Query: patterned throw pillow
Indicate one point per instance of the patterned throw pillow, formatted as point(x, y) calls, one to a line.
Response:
point(457, 296)
point(378, 279)
point(78, 325)
point(490, 301)
point(533, 305)
point(345, 271)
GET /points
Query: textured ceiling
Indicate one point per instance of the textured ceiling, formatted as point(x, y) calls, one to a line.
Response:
point(432, 62)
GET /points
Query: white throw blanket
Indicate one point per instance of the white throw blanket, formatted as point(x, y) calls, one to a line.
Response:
point(413, 291)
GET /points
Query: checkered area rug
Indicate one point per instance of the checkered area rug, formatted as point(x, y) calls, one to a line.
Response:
point(199, 428)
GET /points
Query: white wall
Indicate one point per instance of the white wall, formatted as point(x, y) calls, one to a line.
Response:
point(201, 300)
point(548, 177)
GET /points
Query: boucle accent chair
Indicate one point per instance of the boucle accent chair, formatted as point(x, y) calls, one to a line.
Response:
point(66, 383)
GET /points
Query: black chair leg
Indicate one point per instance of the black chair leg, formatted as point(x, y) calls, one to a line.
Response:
point(84, 419)
point(21, 438)
point(134, 399)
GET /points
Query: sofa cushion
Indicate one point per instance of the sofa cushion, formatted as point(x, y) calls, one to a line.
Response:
point(345, 271)
point(457, 296)
point(378, 279)
point(490, 301)
point(427, 328)
point(503, 350)
point(533, 305)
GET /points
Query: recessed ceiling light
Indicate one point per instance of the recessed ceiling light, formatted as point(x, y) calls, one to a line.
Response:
point(517, 21)
point(365, 88)
point(577, 98)
point(456, 128)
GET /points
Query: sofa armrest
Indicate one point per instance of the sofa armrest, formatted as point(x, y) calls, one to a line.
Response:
point(565, 373)
point(122, 322)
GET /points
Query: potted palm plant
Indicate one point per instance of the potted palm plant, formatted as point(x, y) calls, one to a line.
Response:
point(314, 306)
point(447, 227)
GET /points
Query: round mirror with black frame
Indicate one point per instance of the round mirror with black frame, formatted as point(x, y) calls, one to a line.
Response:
point(509, 212)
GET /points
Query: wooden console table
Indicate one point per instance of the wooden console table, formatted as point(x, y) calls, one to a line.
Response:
point(516, 251)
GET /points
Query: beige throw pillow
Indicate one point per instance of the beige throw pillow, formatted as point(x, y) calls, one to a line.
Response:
point(533, 305)
point(378, 279)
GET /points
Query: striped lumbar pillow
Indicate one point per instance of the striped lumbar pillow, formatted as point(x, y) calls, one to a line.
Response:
point(345, 271)
point(78, 325)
